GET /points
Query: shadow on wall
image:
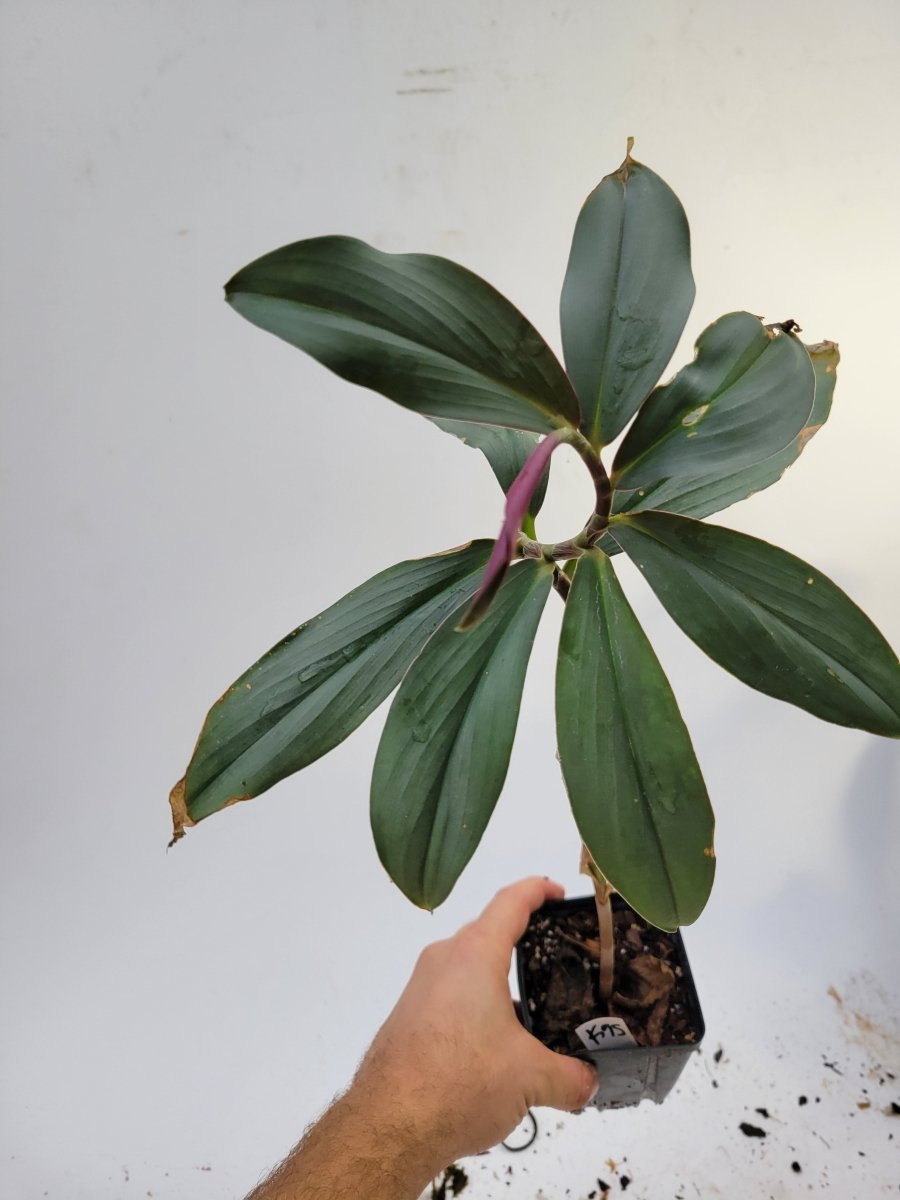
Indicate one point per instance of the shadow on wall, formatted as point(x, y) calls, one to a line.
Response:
point(871, 825)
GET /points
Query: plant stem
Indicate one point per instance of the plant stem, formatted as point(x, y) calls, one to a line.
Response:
point(597, 523)
point(607, 944)
point(603, 890)
point(561, 582)
point(602, 487)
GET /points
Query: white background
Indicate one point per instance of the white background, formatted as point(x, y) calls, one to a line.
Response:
point(180, 490)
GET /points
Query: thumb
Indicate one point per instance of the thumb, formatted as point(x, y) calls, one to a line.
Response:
point(562, 1081)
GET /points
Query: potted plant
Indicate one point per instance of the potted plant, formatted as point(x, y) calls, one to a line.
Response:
point(455, 630)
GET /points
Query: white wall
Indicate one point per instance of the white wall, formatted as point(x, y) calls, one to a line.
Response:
point(174, 487)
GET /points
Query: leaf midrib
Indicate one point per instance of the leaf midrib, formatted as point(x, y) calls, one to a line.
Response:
point(356, 325)
point(604, 361)
point(734, 426)
point(462, 707)
point(626, 723)
point(751, 601)
point(385, 637)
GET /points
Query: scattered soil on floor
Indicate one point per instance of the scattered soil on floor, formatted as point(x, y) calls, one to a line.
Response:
point(453, 1181)
point(749, 1130)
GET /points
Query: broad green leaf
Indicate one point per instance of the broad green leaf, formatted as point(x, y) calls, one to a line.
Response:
point(626, 296)
point(445, 749)
point(421, 330)
point(633, 780)
point(507, 450)
point(315, 687)
point(746, 396)
point(771, 619)
point(708, 494)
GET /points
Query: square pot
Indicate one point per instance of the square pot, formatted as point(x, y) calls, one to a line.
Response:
point(629, 1072)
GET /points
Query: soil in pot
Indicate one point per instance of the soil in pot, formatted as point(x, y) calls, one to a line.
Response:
point(560, 977)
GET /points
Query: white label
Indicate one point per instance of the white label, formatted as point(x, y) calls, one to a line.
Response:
point(605, 1033)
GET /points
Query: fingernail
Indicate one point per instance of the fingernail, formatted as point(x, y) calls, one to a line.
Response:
point(594, 1086)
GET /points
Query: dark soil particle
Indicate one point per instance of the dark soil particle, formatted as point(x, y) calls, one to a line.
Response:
point(895, 1109)
point(795, 1166)
point(749, 1130)
point(802, 1100)
point(603, 1186)
point(563, 979)
point(717, 1057)
point(625, 1180)
point(763, 1112)
point(452, 1182)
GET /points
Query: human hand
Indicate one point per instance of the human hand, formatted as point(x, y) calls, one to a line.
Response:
point(452, 1062)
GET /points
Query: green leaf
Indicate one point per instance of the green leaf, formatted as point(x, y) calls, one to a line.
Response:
point(445, 749)
point(633, 781)
point(769, 618)
point(322, 681)
point(507, 450)
point(421, 330)
point(746, 396)
point(626, 296)
point(701, 496)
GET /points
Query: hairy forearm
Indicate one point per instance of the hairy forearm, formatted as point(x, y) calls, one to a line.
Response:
point(352, 1153)
point(450, 1073)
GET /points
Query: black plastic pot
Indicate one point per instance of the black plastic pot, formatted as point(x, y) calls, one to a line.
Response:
point(628, 1073)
